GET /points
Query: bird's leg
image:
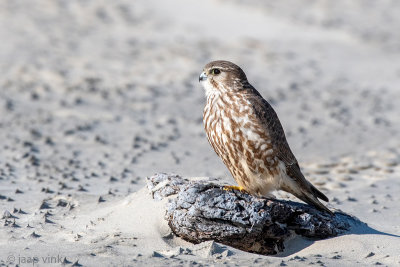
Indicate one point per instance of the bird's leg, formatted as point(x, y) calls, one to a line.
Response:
point(234, 187)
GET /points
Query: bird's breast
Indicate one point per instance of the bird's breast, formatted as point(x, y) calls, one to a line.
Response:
point(242, 142)
point(232, 122)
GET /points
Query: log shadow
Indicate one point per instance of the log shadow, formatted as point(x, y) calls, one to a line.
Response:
point(298, 243)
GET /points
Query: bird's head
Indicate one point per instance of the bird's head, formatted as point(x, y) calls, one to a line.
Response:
point(222, 76)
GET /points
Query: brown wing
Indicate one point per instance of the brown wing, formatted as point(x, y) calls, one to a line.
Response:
point(268, 118)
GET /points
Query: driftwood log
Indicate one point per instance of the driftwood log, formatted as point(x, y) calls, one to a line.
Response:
point(202, 210)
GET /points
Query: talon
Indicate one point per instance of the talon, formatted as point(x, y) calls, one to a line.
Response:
point(234, 187)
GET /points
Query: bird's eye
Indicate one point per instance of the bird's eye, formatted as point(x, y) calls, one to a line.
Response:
point(215, 71)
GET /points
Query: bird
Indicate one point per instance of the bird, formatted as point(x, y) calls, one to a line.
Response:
point(245, 132)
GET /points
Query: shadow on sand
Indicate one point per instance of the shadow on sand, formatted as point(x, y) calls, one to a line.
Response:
point(298, 243)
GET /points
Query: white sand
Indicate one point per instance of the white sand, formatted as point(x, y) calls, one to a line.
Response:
point(95, 96)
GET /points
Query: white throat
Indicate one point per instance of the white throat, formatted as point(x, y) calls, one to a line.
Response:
point(211, 91)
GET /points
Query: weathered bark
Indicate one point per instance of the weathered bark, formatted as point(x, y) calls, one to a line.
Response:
point(203, 210)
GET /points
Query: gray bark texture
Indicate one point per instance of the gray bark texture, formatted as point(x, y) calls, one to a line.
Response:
point(202, 210)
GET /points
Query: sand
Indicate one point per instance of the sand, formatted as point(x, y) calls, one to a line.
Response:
point(96, 96)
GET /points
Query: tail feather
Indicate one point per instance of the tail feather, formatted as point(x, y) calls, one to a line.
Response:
point(309, 195)
point(318, 193)
point(313, 200)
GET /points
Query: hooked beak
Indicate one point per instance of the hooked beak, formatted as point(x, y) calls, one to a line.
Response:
point(202, 77)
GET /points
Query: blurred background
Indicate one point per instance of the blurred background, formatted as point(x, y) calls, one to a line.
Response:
point(109, 89)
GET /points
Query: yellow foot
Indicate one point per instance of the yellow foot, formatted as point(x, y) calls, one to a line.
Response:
point(234, 187)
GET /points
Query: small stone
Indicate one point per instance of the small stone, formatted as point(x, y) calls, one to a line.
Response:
point(65, 261)
point(370, 254)
point(62, 203)
point(44, 205)
point(34, 235)
point(76, 264)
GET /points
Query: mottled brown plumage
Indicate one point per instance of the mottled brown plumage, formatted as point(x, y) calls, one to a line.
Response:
point(247, 135)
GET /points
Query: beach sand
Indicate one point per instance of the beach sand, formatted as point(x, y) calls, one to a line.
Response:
point(95, 96)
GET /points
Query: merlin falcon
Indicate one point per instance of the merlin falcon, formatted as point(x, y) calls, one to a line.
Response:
point(245, 132)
